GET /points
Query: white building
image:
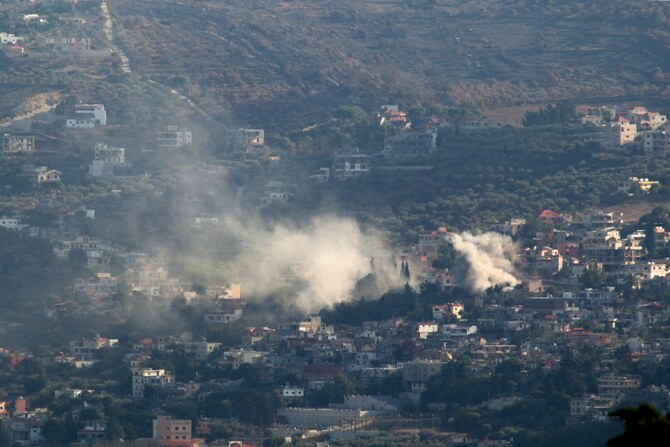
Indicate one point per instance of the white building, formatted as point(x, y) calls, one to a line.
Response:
point(9, 39)
point(245, 139)
point(350, 165)
point(13, 224)
point(87, 116)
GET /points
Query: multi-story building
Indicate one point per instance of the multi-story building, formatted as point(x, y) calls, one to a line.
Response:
point(147, 376)
point(606, 247)
point(350, 165)
point(656, 140)
point(16, 144)
point(411, 143)
point(200, 349)
point(86, 348)
point(172, 432)
point(87, 116)
point(620, 131)
point(173, 137)
point(105, 159)
point(633, 184)
point(245, 139)
point(12, 223)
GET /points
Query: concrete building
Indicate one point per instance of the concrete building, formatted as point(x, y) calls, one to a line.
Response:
point(411, 143)
point(87, 116)
point(86, 348)
point(40, 174)
point(656, 140)
point(172, 432)
point(17, 144)
point(148, 376)
point(619, 132)
point(105, 159)
point(12, 224)
point(350, 165)
point(415, 375)
point(200, 349)
point(635, 184)
point(173, 137)
point(321, 417)
point(244, 139)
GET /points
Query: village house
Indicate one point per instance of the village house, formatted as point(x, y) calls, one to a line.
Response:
point(17, 144)
point(169, 432)
point(635, 184)
point(147, 376)
point(12, 224)
point(86, 348)
point(350, 164)
point(443, 311)
point(9, 39)
point(39, 174)
point(87, 116)
point(656, 140)
point(391, 115)
point(245, 139)
point(619, 132)
point(173, 137)
point(279, 192)
point(645, 119)
point(411, 143)
point(105, 159)
point(99, 285)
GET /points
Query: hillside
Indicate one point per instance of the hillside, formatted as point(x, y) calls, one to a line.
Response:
point(277, 64)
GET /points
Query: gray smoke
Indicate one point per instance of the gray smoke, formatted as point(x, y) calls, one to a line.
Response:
point(489, 259)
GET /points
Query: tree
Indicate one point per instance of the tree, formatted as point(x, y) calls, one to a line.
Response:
point(644, 425)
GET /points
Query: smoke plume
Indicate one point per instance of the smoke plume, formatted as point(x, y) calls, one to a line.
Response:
point(489, 260)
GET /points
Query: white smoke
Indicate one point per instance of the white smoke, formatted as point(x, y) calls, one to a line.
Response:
point(327, 257)
point(489, 258)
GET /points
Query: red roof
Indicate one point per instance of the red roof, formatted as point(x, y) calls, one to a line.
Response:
point(621, 119)
point(549, 214)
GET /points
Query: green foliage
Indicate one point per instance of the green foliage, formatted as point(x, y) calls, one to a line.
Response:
point(645, 425)
point(562, 112)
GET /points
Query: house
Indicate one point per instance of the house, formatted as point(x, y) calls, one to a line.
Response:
point(9, 39)
point(12, 224)
point(148, 376)
point(200, 349)
point(411, 143)
point(222, 317)
point(87, 116)
point(619, 132)
point(105, 159)
point(85, 348)
point(416, 374)
point(279, 192)
point(97, 286)
point(391, 115)
point(40, 174)
point(656, 140)
point(244, 139)
point(635, 184)
point(350, 165)
point(17, 144)
point(645, 119)
point(454, 310)
point(172, 432)
point(546, 260)
point(173, 137)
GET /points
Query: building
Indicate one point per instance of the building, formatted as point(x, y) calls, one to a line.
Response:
point(411, 143)
point(292, 392)
point(87, 116)
point(391, 115)
point(350, 165)
point(605, 246)
point(86, 348)
point(173, 137)
point(97, 286)
point(200, 349)
point(105, 159)
point(40, 174)
point(12, 224)
point(635, 184)
point(172, 432)
point(244, 139)
point(9, 39)
point(619, 132)
point(147, 376)
point(17, 144)
point(415, 375)
point(656, 140)
point(454, 310)
point(320, 417)
point(645, 119)
point(279, 192)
